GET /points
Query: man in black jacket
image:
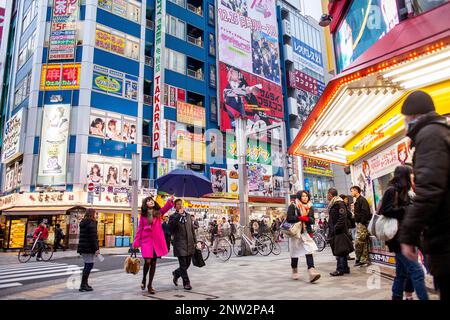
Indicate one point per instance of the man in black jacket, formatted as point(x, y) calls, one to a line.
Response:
point(430, 212)
point(184, 241)
point(362, 219)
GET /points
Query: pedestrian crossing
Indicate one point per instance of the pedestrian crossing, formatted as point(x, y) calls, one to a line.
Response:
point(14, 275)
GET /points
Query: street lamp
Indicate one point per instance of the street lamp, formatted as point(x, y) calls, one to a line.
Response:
point(325, 20)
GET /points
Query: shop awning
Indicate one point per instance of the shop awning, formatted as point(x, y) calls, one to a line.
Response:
point(36, 211)
point(414, 54)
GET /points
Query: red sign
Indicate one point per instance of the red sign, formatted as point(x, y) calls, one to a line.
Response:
point(2, 21)
point(64, 7)
point(90, 186)
point(242, 93)
point(300, 80)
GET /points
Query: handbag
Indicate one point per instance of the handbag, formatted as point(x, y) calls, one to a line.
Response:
point(291, 230)
point(382, 227)
point(341, 245)
point(132, 264)
point(197, 258)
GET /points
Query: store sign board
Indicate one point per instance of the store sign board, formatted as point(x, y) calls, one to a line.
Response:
point(2, 20)
point(318, 167)
point(65, 76)
point(11, 137)
point(191, 114)
point(257, 151)
point(310, 55)
point(158, 79)
point(63, 29)
point(300, 80)
point(54, 140)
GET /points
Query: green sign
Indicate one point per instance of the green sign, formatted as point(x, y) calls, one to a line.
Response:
point(257, 151)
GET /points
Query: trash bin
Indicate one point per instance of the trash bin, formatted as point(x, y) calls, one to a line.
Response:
point(126, 241)
point(110, 241)
point(119, 241)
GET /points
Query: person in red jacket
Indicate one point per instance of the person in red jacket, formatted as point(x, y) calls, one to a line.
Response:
point(42, 234)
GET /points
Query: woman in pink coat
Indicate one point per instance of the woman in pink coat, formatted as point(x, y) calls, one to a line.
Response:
point(150, 237)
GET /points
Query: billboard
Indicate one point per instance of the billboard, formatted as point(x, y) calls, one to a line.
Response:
point(243, 93)
point(11, 137)
point(308, 56)
point(60, 76)
point(365, 23)
point(63, 30)
point(54, 139)
point(301, 80)
point(191, 114)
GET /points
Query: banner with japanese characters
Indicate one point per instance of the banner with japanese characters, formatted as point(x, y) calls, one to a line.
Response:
point(63, 30)
point(60, 76)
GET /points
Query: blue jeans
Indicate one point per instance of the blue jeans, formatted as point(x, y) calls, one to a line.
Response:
point(404, 270)
point(342, 264)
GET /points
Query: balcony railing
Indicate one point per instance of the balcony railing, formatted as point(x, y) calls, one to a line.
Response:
point(149, 61)
point(149, 24)
point(194, 9)
point(195, 41)
point(146, 141)
point(195, 74)
point(147, 99)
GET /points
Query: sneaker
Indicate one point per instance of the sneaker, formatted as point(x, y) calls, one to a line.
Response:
point(336, 274)
point(350, 258)
point(364, 264)
point(357, 264)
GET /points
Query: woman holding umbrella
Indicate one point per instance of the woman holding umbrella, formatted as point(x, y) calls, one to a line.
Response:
point(150, 237)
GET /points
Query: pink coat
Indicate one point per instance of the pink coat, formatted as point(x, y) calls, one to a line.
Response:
point(151, 237)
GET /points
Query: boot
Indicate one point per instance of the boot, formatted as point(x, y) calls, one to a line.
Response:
point(295, 274)
point(84, 287)
point(313, 275)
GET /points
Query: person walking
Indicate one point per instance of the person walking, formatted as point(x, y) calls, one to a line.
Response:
point(338, 226)
point(350, 219)
point(302, 210)
point(232, 231)
point(166, 229)
point(41, 233)
point(184, 241)
point(213, 230)
point(362, 219)
point(393, 204)
point(88, 246)
point(150, 238)
point(429, 213)
point(59, 235)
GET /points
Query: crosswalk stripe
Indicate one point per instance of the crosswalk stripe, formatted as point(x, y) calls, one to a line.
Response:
point(25, 266)
point(31, 269)
point(10, 285)
point(44, 276)
point(37, 271)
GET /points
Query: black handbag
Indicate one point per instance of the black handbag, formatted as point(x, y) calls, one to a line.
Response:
point(341, 245)
point(197, 258)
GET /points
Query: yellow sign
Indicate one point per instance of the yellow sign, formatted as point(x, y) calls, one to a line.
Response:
point(191, 114)
point(191, 147)
point(103, 39)
point(60, 76)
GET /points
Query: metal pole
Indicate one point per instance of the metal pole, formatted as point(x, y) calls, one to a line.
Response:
point(134, 182)
point(241, 142)
point(287, 198)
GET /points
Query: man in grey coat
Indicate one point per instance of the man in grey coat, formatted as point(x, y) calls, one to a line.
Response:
point(184, 240)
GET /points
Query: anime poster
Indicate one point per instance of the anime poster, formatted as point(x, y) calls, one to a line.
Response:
point(242, 93)
point(95, 172)
point(259, 180)
point(278, 186)
point(54, 139)
point(219, 180)
point(305, 103)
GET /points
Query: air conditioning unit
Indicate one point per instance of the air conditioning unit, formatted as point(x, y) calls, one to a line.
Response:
point(287, 28)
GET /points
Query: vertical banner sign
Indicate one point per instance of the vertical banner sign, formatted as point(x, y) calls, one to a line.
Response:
point(63, 29)
point(158, 79)
point(2, 19)
point(54, 138)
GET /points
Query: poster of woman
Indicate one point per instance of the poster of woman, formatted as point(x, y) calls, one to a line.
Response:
point(112, 175)
point(97, 127)
point(95, 173)
point(219, 180)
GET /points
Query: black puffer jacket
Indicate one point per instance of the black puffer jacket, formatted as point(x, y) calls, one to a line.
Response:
point(362, 211)
point(183, 235)
point(338, 219)
point(391, 209)
point(430, 211)
point(88, 240)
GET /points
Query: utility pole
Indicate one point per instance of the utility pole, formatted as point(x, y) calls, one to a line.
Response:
point(135, 173)
point(287, 197)
point(241, 143)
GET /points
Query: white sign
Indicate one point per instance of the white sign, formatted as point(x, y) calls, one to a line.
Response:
point(54, 139)
point(11, 141)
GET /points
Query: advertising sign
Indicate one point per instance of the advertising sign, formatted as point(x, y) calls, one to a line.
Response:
point(365, 23)
point(242, 93)
point(65, 76)
point(2, 20)
point(11, 137)
point(257, 151)
point(318, 167)
point(191, 114)
point(191, 147)
point(309, 56)
point(54, 139)
point(63, 30)
point(219, 180)
point(158, 78)
point(300, 80)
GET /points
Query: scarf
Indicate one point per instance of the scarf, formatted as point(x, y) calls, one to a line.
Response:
point(333, 201)
point(304, 211)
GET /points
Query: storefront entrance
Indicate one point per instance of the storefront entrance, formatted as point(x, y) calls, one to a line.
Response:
point(114, 229)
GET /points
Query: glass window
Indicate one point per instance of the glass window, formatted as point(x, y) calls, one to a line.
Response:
point(212, 76)
point(212, 45)
point(181, 3)
point(176, 27)
point(213, 109)
point(211, 14)
point(117, 42)
point(134, 12)
point(176, 61)
point(128, 9)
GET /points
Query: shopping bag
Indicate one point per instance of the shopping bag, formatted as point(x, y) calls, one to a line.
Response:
point(197, 258)
point(291, 229)
point(372, 224)
point(386, 228)
point(132, 264)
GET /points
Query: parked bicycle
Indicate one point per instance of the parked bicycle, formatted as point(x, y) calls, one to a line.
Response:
point(222, 249)
point(31, 250)
point(320, 239)
point(261, 244)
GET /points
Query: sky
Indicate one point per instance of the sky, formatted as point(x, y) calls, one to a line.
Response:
point(312, 8)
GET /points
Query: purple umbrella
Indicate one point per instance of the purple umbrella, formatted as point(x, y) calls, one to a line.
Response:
point(184, 183)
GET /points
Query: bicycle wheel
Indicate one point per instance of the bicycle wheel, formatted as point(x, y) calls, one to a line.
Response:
point(204, 248)
point(237, 249)
point(320, 241)
point(24, 254)
point(276, 249)
point(47, 252)
point(224, 250)
point(264, 245)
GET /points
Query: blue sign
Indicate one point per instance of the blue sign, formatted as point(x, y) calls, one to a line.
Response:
point(305, 51)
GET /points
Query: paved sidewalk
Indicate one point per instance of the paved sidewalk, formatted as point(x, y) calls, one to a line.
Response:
point(252, 277)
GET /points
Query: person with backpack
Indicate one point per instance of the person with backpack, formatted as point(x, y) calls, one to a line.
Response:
point(429, 213)
point(393, 205)
point(362, 219)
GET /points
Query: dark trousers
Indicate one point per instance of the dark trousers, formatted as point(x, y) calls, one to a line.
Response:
point(185, 262)
point(443, 284)
point(309, 261)
point(167, 236)
point(40, 248)
point(58, 245)
point(232, 239)
point(342, 264)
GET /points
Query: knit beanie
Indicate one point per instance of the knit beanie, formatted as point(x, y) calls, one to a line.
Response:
point(418, 102)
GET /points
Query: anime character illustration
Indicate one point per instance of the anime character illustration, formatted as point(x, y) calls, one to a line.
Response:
point(238, 6)
point(402, 153)
point(218, 180)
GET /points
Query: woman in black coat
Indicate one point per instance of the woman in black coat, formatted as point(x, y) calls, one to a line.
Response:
point(393, 204)
point(88, 246)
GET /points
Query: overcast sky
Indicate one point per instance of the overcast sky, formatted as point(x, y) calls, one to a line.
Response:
point(312, 8)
